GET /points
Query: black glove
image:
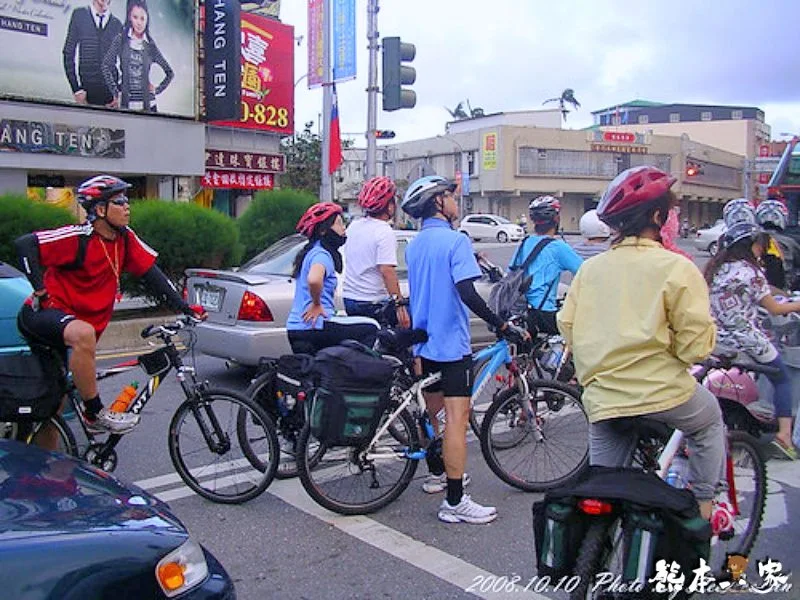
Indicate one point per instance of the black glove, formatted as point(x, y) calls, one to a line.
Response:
point(514, 334)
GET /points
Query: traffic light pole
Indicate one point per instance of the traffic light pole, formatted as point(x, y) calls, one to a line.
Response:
point(372, 87)
point(325, 188)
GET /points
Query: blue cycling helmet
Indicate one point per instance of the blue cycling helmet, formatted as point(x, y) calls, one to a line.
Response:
point(422, 191)
point(738, 232)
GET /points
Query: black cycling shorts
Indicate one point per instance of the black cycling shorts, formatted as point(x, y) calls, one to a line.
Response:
point(456, 378)
point(45, 326)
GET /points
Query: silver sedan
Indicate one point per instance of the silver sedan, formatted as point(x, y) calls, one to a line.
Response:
point(248, 307)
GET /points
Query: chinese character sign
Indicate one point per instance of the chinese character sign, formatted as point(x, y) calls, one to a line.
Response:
point(315, 43)
point(267, 75)
point(489, 151)
point(344, 40)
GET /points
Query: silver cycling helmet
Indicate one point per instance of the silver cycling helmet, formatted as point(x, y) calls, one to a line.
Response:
point(421, 192)
point(772, 213)
point(738, 210)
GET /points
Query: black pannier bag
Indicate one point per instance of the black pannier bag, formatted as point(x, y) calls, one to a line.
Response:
point(659, 522)
point(31, 385)
point(290, 380)
point(353, 385)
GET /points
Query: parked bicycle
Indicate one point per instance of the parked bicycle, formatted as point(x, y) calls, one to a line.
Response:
point(222, 445)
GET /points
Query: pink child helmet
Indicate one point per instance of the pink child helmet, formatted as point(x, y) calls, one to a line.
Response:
point(732, 384)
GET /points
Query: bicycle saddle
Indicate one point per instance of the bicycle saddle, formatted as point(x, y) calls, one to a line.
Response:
point(394, 340)
point(643, 427)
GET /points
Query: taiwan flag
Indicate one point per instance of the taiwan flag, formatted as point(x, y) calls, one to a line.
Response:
point(335, 157)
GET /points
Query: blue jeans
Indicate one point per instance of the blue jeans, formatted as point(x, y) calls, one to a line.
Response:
point(383, 312)
point(783, 388)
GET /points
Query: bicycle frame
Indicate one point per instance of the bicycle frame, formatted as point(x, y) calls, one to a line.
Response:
point(500, 353)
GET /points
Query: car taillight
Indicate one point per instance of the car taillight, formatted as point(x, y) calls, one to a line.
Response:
point(185, 292)
point(595, 507)
point(253, 308)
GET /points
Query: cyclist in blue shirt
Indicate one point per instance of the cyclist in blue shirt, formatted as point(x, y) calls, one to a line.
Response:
point(441, 274)
point(545, 271)
point(311, 325)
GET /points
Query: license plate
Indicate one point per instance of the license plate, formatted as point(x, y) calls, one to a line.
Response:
point(211, 300)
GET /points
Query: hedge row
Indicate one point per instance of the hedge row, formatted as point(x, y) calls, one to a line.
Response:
point(183, 233)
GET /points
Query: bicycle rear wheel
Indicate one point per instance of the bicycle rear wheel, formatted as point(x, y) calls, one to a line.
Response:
point(223, 446)
point(288, 426)
point(54, 429)
point(745, 491)
point(540, 443)
point(350, 481)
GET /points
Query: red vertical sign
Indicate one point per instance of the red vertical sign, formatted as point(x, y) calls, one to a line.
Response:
point(267, 75)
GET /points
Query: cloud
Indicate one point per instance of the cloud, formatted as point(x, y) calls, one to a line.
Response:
point(509, 55)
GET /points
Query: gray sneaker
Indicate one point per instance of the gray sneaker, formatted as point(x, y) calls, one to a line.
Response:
point(434, 484)
point(466, 511)
point(108, 421)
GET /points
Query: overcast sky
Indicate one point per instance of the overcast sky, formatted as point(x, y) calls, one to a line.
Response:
point(506, 55)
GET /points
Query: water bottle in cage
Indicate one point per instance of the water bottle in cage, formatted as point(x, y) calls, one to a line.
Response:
point(551, 356)
point(678, 474)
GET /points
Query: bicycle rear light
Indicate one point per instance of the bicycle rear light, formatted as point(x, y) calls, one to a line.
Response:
point(591, 506)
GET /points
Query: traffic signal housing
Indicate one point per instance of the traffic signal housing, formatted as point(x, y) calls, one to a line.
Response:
point(384, 134)
point(396, 74)
point(693, 169)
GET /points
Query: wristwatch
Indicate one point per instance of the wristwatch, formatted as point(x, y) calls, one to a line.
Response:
point(399, 300)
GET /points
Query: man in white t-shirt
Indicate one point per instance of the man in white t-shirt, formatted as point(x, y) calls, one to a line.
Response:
point(370, 275)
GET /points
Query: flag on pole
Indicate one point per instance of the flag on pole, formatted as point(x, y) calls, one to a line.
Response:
point(335, 157)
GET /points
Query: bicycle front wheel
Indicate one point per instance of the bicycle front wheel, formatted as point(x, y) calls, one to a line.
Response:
point(353, 481)
point(744, 490)
point(223, 446)
point(538, 442)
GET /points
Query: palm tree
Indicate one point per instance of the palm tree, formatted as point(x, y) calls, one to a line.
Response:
point(458, 113)
point(567, 97)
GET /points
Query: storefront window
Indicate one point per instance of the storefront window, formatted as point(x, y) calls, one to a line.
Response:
point(538, 161)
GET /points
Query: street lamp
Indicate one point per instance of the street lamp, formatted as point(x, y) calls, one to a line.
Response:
point(464, 169)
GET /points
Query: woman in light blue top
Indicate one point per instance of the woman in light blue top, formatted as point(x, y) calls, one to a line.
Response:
point(310, 326)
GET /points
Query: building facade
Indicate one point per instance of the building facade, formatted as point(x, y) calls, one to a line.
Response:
point(506, 166)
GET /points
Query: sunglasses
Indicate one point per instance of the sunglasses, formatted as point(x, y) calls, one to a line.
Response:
point(120, 200)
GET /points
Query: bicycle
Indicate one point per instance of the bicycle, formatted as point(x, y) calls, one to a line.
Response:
point(736, 516)
point(363, 479)
point(222, 445)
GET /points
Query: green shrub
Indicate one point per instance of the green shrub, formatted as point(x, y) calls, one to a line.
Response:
point(19, 216)
point(185, 235)
point(272, 215)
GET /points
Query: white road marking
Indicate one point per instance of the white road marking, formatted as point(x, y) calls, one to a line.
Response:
point(444, 566)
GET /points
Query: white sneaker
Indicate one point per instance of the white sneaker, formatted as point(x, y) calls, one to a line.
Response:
point(438, 483)
point(466, 511)
point(108, 421)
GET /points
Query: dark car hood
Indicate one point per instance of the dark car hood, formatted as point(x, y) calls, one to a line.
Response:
point(44, 494)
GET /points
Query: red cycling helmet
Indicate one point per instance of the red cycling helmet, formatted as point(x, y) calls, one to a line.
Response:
point(633, 189)
point(316, 214)
point(99, 189)
point(376, 194)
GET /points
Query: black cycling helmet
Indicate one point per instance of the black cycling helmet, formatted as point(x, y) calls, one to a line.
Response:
point(99, 189)
point(544, 209)
point(422, 191)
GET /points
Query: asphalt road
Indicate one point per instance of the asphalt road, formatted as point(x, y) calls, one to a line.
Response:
point(282, 545)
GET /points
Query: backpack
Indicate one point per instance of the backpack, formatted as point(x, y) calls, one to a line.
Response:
point(659, 522)
point(352, 394)
point(31, 385)
point(507, 296)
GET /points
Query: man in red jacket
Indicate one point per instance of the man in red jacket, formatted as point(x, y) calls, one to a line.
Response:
point(75, 273)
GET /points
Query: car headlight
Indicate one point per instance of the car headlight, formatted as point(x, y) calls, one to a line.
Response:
point(182, 569)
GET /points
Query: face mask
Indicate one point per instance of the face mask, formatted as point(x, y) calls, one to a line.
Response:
point(334, 239)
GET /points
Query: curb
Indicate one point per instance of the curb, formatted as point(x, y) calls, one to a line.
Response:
point(126, 335)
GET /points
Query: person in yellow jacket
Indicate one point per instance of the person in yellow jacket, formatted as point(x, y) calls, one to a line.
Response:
point(637, 317)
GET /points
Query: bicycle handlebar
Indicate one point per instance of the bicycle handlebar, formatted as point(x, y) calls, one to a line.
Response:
point(169, 329)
